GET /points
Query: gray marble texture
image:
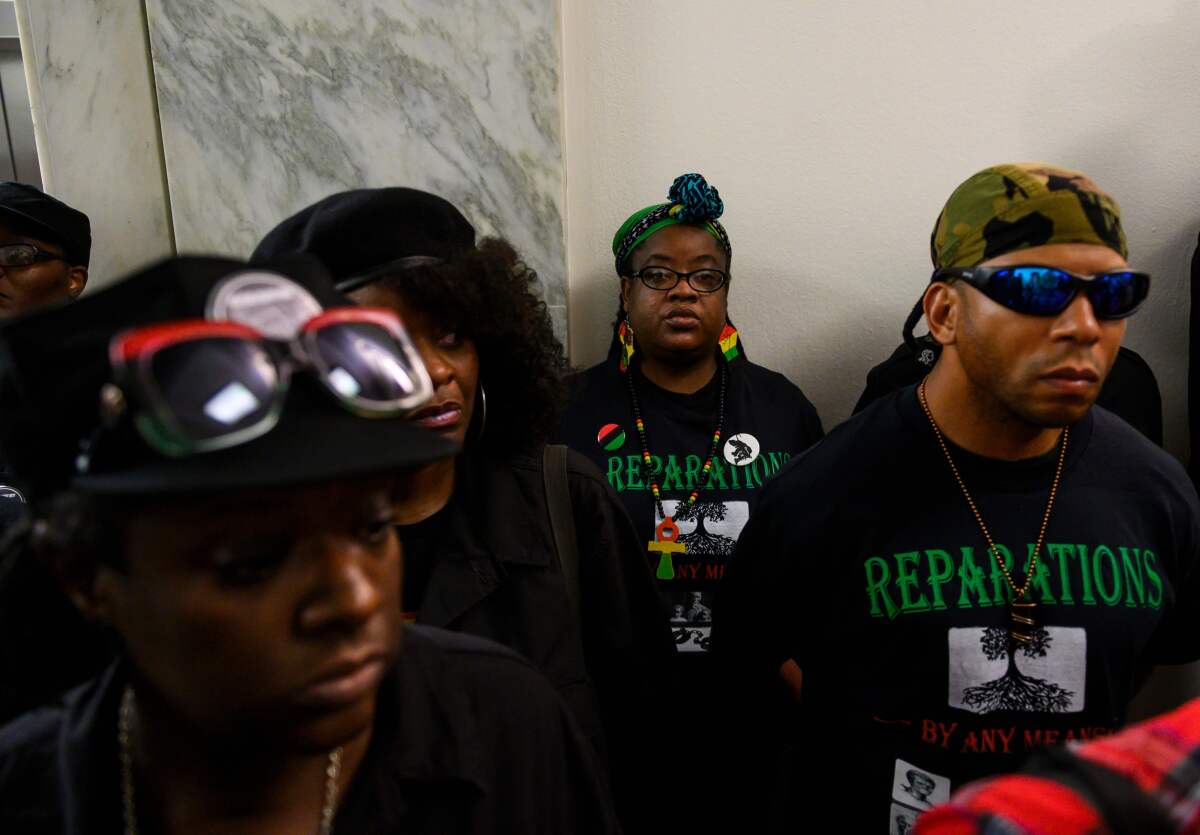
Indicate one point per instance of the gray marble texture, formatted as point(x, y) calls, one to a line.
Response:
point(269, 105)
point(93, 110)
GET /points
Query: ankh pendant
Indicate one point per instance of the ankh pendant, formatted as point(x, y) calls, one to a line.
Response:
point(665, 543)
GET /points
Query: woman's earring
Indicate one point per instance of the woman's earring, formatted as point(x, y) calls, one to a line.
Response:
point(729, 342)
point(625, 337)
point(480, 412)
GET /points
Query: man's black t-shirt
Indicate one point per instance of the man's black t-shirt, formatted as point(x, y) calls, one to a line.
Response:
point(865, 564)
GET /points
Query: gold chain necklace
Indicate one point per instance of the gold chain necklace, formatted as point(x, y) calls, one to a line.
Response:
point(125, 719)
point(1020, 610)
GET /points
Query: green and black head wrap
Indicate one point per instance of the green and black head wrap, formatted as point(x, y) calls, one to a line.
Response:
point(1017, 206)
point(690, 200)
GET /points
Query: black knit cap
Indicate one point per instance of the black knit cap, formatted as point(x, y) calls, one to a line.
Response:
point(40, 215)
point(54, 363)
point(363, 234)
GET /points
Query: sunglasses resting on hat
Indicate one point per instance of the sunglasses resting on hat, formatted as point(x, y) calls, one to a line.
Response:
point(199, 385)
point(1047, 291)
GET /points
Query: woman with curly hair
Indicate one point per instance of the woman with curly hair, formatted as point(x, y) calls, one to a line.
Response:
point(480, 546)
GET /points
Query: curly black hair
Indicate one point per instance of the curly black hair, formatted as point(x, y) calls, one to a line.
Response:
point(489, 295)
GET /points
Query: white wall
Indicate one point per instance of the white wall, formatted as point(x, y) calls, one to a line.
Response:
point(835, 131)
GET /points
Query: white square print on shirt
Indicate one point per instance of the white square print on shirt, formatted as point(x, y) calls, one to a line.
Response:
point(990, 672)
point(691, 619)
point(708, 528)
point(919, 788)
point(902, 820)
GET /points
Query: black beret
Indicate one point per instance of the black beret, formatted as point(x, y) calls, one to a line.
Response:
point(361, 234)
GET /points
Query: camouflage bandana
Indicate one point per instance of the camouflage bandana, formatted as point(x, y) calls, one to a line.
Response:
point(1022, 205)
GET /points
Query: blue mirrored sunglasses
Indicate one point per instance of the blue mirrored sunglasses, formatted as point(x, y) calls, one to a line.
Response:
point(1047, 291)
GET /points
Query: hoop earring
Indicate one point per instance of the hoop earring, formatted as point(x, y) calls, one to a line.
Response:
point(480, 412)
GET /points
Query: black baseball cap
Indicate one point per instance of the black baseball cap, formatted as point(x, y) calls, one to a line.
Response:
point(37, 213)
point(363, 234)
point(54, 364)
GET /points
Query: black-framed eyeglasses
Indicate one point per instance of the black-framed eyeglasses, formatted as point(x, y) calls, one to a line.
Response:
point(1047, 291)
point(663, 278)
point(25, 255)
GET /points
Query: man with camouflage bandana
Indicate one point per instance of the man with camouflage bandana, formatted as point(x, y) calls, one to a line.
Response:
point(985, 562)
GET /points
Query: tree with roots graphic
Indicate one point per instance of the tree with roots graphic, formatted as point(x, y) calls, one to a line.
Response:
point(700, 541)
point(1014, 690)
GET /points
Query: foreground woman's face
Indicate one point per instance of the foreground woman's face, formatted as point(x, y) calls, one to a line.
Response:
point(267, 616)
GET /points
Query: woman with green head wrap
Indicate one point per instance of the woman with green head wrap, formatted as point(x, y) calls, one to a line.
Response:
point(675, 316)
point(687, 431)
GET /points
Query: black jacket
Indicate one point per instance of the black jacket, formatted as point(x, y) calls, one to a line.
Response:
point(498, 575)
point(468, 739)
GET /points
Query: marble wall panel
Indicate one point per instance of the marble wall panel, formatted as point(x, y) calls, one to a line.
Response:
point(269, 105)
point(92, 97)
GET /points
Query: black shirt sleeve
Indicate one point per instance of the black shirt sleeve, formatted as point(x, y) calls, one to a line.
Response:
point(626, 638)
point(541, 773)
point(811, 429)
point(1177, 638)
point(771, 589)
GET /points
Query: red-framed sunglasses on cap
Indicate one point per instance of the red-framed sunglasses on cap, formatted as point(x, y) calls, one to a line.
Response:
point(198, 385)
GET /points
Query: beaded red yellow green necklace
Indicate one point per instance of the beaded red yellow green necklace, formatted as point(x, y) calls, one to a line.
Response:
point(666, 534)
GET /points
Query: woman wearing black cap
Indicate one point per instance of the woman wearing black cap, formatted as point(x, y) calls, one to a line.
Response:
point(481, 553)
point(231, 520)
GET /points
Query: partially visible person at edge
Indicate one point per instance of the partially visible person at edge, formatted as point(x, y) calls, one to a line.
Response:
point(480, 551)
point(686, 427)
point(45, 246)
point(251, 579)
point(990, 563)
point(1141, 781)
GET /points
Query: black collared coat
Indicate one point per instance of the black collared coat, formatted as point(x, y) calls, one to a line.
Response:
point(498, 575)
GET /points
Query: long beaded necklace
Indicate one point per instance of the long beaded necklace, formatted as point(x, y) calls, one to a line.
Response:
point(1020, 611)
point(666, 534)
point(125, 753)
